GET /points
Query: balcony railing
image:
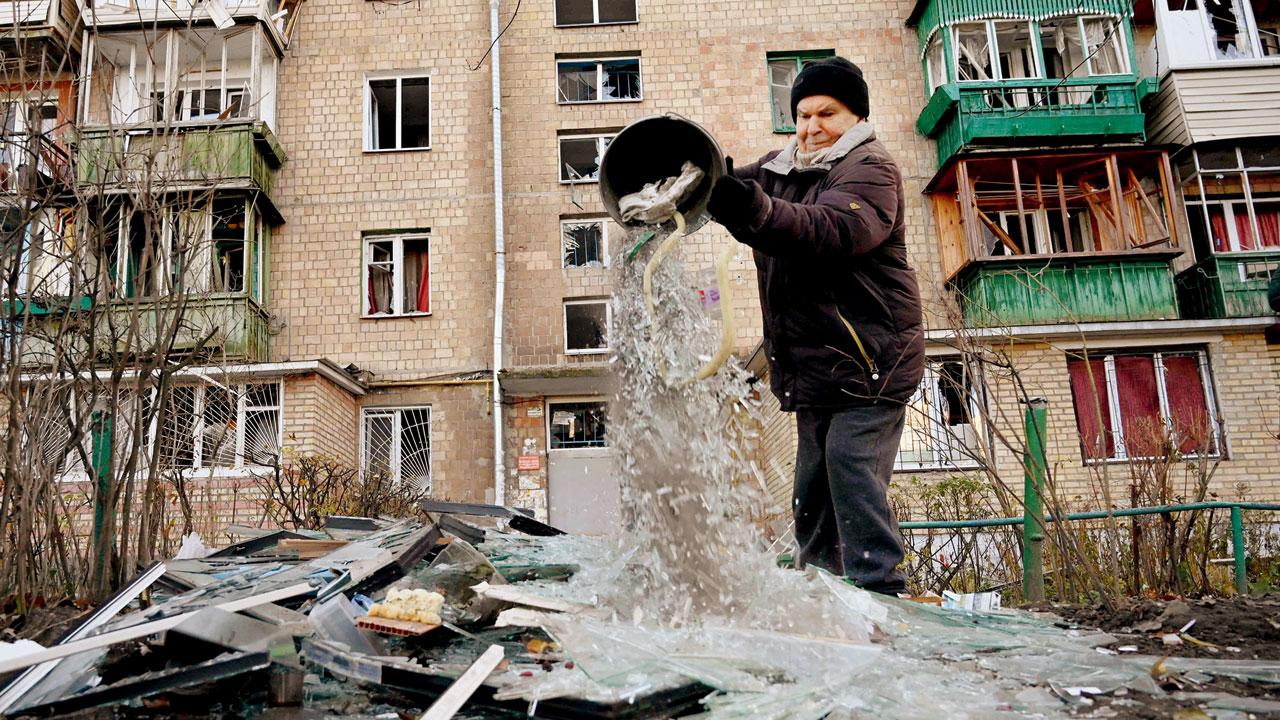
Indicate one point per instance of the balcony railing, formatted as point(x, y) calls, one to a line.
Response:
point(229, 155)
point(1228, 286)
point(32, 163)
point(1010, 113)
point(232, 327)
point(1046, 290)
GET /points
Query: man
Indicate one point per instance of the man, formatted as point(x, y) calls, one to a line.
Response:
point(842, 323)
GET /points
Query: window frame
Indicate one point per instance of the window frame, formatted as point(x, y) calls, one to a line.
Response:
point(800, 58)
point(604, 223)
point(600, 62)
point(1241, 170)
point(595, 14)
point(394, 464)
point(602, 144)
point(949, 455)
point(369, 123)
point(608, 323)
point(397, 273)
point(1120, 454)
point(197, 413)
point(549, 410)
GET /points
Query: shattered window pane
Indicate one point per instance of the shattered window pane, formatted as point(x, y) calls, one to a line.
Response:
point(783, 68)
point(399, 114)
point(586, 326)
point(940, 431)
point(584, 244)
point(580, 157)
point(177, 430)
point(415, 447)
point(578, 425)
point(621, 80)
point(229, 242)
point(397, 444)
point(218, 435)
point(973, 52)
point(577, 81)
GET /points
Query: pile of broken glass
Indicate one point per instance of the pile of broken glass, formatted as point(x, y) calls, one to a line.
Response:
point(537, 623)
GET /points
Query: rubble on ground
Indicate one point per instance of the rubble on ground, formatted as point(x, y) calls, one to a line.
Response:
point(486, 612)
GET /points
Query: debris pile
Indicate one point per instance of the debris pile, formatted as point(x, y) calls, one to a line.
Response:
point(504, 624)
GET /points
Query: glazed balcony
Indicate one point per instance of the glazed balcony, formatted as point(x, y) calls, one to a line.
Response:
point(1028, 73)
point(1025, 113)
point(234, 155)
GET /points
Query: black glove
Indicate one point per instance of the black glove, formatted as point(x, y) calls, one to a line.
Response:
point(732, 202)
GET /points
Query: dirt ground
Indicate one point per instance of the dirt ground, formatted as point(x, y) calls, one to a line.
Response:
point(1239, 628)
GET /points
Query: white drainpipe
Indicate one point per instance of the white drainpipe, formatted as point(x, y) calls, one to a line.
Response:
point(499, 261)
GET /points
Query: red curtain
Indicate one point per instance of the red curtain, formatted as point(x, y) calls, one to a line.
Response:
point(423, 302)
point(1092, 403)
point(1188, 407)
point(1218, 227)
point(1268, 228)
point(1139, 402)
point(1244, 230)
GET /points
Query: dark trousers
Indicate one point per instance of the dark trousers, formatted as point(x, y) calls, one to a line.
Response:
point(844, 524)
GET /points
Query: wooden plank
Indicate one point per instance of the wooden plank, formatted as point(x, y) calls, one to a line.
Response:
point(1022, 212)
point(1000, 234)
point(964, 189)
point(310, 549)
point(1062, 205)
point(1166, 192)
point(465, 686)
point(142, 630)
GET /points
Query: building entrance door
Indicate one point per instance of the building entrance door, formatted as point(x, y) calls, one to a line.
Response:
point(581, 486)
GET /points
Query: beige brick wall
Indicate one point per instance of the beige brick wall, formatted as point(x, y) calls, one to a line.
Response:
point(461, 435)
point(320, 418)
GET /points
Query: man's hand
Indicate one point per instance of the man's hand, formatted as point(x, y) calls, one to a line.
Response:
point(732, 202)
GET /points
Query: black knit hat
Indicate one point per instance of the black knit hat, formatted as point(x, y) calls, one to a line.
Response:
point(836, 77)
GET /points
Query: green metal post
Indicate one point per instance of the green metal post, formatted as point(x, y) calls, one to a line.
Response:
point(1237, 545)
point(101, 427)
point(1034, 469)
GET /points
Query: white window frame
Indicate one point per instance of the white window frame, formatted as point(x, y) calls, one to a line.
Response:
point(1121, 454)
point(239, 390)
point(608, 324)
point(948, 453)
point(368, 111)
point(595, 14)
point(397, 274)
point(396, 413)
point(1118, 34)
point(604, 223)
point(602, 143)
point(600, 63)
point(1228, 206)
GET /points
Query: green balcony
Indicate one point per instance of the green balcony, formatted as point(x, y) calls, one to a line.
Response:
point(1228, 286)
point(226, 327)
point(232, 155)
point(1024, 113)
point(1020, 290)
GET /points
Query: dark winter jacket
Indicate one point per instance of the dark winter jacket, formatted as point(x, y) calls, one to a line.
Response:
point(1273, 290)
point(842, 320)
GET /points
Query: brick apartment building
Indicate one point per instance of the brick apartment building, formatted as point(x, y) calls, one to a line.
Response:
point(1079, 174)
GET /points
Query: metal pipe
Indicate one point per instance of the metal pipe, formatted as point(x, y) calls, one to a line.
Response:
point(1034, 464)
point(1091, 515)
point(499, 258)
point(1237, 548)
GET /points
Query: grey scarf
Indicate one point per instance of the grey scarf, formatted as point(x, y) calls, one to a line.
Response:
point(793, 158)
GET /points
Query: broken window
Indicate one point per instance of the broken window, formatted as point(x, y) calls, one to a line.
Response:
point(180, 76)
point(1233, 199)
point(28, 131)
point(229, 242)
point(584, 242)
point(586, 326)
point(935, 64)
point(213, 425)
point(972, 43)
point(595, 12)
point(1219, 30)
point(944, 419)
point(396, 443)
point(1044, 204)
point(397, 272)
point(611, 80)
point(35, 260)
point(783, 68)
point(397, 115)
point(1138, 405)
point(580, 157)
point(576, 425)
